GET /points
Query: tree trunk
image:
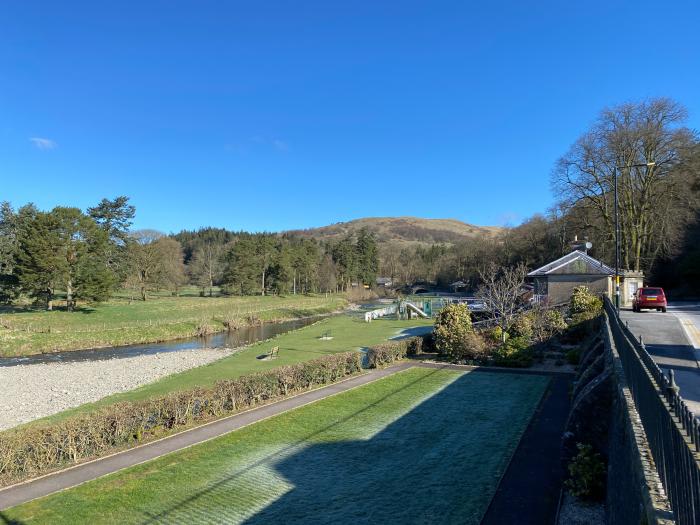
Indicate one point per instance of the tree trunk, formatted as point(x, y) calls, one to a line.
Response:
point(263, 283)
point(69, 295)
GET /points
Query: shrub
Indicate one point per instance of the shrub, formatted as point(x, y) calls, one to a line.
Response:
point(473, 346)
point(496, 335)
point(584, 302)
point(386, 353)
point(33, 450)
point(414, 346)
point(586, 474)
point(523, 325)
point(547, 323)
point(516, 352)
point(451, 326)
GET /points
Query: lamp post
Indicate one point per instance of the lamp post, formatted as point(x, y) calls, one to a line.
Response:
point(617, 230)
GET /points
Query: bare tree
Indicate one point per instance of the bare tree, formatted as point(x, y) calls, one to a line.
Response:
point(155, 261)
point(500, 292)
point(207, 266)
point(641, 143)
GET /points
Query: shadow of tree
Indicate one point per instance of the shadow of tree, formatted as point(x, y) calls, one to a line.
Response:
point(9, 521)
point(439, 463)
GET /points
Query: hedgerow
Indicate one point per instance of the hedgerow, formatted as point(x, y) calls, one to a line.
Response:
point(391, 351)
point(26, 452)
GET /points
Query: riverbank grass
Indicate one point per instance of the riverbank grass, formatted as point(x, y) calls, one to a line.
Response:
point(123, 322)
point(443, 437)
point(348, 333)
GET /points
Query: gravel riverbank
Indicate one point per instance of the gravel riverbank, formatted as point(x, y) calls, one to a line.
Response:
point(31, 392)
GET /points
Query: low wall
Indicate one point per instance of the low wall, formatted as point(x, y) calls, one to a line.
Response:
point(604, 415)
point(635, 495)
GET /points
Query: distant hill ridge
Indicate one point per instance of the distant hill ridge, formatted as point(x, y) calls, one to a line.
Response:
point(404, 230)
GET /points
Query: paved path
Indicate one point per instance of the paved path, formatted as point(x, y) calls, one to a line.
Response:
point(71, 477)
point(670, 339)
point(529, 491)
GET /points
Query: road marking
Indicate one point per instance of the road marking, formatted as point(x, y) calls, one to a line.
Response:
point(691, 331)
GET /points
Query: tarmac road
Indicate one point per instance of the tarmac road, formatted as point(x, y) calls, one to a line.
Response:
point(673, 340)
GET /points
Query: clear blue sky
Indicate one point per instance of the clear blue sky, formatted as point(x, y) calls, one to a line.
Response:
point(276, 115)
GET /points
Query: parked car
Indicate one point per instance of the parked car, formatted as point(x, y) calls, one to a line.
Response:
point(650, 298)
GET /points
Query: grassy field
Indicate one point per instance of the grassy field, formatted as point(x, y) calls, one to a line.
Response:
point(121, 322)
point(421, 446)
point(300, 345)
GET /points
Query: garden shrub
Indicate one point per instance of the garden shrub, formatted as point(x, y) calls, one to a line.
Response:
point(516, 352)
point(584, 302)
point(496, 334)
point(523, 326)
point(451, 326)
point(547, 323)
point(586, 474)
point(386, 353)
point(473, 346)
point(30, 451)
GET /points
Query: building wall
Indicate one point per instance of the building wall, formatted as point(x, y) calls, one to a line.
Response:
point(560, 287)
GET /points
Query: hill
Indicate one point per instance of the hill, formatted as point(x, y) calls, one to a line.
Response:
point(404, 230)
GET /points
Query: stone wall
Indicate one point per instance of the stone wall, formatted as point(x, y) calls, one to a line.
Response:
point(635, 494)
point(560, 287)
point(603, 415)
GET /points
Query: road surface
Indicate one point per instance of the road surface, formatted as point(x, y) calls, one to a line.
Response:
point(673, 340)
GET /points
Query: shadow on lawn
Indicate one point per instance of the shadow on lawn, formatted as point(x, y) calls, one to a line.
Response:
point(439, 463)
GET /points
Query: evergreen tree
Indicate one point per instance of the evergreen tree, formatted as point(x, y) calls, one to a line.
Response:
point(115, 217)
point(367, 257)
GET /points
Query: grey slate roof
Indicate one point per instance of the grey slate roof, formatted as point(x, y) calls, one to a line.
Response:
point(594, 265)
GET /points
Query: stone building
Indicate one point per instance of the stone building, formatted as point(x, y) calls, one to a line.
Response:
point(554, 282)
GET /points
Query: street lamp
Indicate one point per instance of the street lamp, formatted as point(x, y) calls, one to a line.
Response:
point(617, 230)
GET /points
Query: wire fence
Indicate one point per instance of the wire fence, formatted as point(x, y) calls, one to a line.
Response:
point(672, 429)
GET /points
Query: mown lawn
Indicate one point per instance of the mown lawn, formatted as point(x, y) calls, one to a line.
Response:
point(348, 333)
point(121, 322)
point(421, 446)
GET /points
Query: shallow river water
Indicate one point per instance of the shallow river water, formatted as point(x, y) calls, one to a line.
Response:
point(232, 339)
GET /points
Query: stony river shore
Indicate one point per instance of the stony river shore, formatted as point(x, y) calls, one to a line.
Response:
point(33, 391)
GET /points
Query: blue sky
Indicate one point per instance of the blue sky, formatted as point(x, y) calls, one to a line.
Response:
point(276, 115)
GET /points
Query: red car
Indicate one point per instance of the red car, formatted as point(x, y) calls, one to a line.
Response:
point(651, 298)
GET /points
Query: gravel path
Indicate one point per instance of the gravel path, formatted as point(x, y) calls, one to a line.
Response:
point(30, 392)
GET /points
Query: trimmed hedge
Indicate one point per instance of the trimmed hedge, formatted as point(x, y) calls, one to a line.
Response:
point(30, 451)
point(386, 353)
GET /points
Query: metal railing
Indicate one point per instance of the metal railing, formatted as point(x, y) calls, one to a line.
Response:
point(672, 430)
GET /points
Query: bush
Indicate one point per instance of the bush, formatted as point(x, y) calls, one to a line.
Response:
point(496, 335)
point(584, 302)
point(27, 452)
point(391, 351)
point(523, 326)
point(586, 474)
point(547, 324)
point(516, 352)
point(452, 325)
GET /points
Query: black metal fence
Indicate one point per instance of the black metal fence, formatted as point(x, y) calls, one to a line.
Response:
point(672, 429)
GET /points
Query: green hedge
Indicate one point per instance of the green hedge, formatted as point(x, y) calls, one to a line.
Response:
point(27, 452)
point(386, 353)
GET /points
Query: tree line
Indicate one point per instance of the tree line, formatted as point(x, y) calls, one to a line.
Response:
point(89, 255)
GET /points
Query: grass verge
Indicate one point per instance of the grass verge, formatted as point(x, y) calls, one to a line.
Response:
point(121, 322)
point(422, 445)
